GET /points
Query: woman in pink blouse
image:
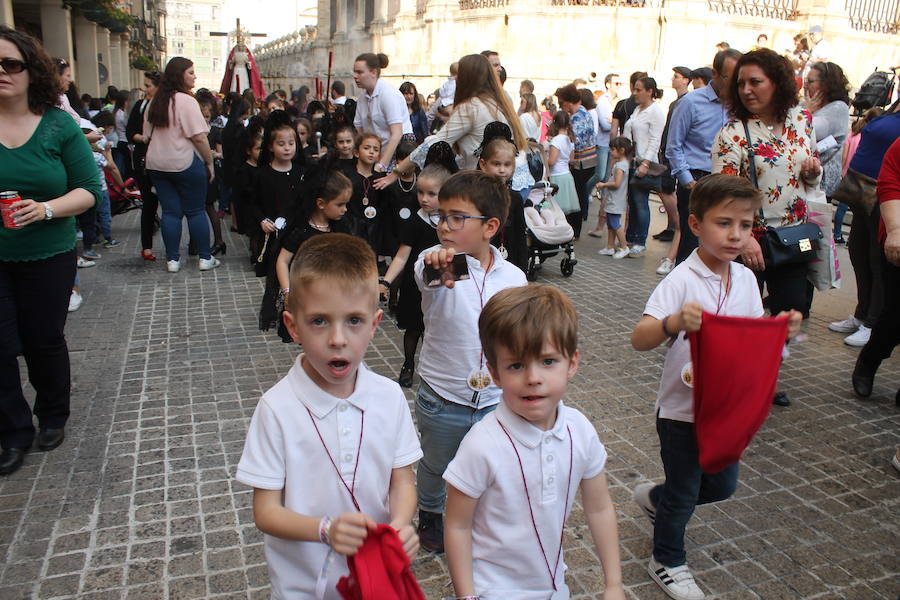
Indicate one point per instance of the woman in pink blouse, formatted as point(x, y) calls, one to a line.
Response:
point(179, 162)
point(764, 96)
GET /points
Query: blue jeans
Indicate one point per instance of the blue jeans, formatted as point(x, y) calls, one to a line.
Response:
point(442, 426)
point(638, 214)
point(105, 215)
point(686, 487)
point(839, 213)
point(600, 171)
point(183, 195)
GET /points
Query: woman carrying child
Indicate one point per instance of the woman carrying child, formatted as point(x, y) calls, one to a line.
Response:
point(562, 142)
point(617, 198)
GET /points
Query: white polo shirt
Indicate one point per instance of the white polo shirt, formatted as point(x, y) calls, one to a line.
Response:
point(692, 281)
point(451, 348)
point(283, 452)
point(506, 558)
point(377, 111)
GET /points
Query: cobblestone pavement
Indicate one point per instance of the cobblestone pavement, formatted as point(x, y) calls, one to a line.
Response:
point(139, 502)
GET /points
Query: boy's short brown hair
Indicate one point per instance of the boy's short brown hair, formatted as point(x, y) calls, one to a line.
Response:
point(344, 259)
point(521, 319)
point(489, 195)
point(715, 189)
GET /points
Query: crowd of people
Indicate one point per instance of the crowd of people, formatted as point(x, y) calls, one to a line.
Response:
point(418, 204)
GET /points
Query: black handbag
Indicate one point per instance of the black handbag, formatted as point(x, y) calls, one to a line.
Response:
point(786, 245)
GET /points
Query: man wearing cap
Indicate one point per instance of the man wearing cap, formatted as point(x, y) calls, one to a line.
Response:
point(700, 77)
point(681, 81)
point(821, 49)
point(696, 120)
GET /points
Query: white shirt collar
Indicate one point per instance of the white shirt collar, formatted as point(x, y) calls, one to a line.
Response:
point(320, 402)
point(524, 432)
point(696, 264)
point(376, 91)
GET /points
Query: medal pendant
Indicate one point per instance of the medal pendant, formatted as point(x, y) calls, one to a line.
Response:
point(405, 213)
point(479, 379)
point(687, 375)
point(370, 212)
point(503, 252)
point(365, 201)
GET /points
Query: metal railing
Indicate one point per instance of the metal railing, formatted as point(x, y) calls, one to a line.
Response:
point(877, 16)
point(785, 10)
point(627, 3)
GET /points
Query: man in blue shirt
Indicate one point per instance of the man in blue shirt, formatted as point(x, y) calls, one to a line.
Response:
point(697, 119)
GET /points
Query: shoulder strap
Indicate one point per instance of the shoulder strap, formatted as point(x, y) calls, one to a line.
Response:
point(751, 170)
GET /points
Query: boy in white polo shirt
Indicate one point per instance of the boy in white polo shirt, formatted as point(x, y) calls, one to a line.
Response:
point(456, 389)
point(514, 478)
point(722, 214)
point(331, 446)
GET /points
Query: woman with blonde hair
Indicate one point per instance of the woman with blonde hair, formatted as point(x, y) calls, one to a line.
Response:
point(479, 100)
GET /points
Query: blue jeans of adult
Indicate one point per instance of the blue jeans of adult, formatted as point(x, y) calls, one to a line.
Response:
point(104, 213)
point(839, 213)
point(182, 195)
point(442, 426)
point(686, 487)
point(600, 171)
point(638, 213)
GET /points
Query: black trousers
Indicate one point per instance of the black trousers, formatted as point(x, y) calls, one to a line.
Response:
point(886, 330)
point(34, 301)
point(688, 241)
point(581, 177)
point(149, 208)
point(786, 286)
point(867, 258)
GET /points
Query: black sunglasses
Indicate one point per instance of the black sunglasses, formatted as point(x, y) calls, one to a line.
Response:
point(13, 65)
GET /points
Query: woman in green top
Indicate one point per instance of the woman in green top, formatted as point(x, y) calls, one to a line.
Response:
point(45, 157)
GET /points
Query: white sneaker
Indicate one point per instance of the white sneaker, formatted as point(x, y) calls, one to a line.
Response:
point(606, 252)
point(173, 266)
point(75, 301)
point(84, 263)
point(665, 266)
point(848, 325)
point(677, 582)
point(636, 251)
point(641, 496)
point(622, 253)
point(859, 338)
point(208, 264)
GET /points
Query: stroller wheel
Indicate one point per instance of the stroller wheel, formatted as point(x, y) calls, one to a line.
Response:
point(530, 273)
point(567, 267)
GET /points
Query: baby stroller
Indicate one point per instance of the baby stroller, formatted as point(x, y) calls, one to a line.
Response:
point(548, 231)
point(122, 200)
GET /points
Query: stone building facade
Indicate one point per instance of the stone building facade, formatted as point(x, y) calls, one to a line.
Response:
point(554, 41)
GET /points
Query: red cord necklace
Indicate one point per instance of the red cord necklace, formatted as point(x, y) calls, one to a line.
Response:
point(562, 529)
point(352, 487)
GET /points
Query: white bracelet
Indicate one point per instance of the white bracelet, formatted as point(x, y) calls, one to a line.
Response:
point(325, 530)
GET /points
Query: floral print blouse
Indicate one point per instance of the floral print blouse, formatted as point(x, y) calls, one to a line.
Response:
point(777, 159)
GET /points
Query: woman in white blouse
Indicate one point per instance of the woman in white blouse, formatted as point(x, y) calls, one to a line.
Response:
point(644, 128)
point(479, 100)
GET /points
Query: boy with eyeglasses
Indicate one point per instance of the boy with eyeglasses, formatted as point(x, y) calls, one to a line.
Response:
point(456, 390)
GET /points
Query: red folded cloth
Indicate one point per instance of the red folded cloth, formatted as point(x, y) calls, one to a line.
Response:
point(735, 369)
point(380, 570)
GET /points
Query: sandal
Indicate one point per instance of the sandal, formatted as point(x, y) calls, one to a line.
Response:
point(147, 254)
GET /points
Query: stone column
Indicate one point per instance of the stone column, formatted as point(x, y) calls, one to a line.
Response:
point(103, 55)
point(125, 61)
point(115, 56)
point(56, 30)
point(6, 14)
point(86, 74)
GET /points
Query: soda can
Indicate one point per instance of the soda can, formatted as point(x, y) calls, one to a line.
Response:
point(7, 199)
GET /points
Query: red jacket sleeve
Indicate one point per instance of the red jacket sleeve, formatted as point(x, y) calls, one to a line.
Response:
point(889, 182)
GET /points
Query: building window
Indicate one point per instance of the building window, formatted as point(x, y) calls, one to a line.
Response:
point(196, 30)
point(179, 47)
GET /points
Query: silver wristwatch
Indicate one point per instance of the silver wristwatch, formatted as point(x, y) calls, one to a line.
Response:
point(48, 211)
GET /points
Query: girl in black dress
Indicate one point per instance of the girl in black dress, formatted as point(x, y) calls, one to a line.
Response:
point(322, 213)
point(275, 201)
point(366, 210)
point(417, 235)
